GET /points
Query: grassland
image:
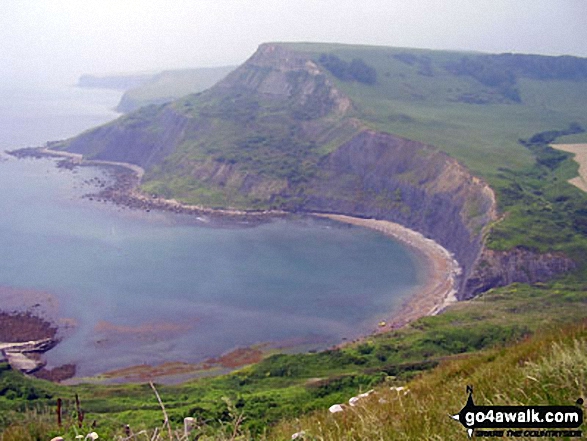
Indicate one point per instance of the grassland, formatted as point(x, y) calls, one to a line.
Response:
point(420, 99)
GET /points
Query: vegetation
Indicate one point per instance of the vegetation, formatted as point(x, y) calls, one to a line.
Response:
point(549, 369)
point(356, 70)
point(544, 212)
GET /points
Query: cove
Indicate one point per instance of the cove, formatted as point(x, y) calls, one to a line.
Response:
point(148, 288)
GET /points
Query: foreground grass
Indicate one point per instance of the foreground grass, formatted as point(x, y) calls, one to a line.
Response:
point(548, 369)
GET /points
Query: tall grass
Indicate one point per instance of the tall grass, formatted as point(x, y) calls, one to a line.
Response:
point(544, 370)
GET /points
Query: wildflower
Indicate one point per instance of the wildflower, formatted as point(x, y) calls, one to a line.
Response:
point(335, 408)
point(399, 389)
point(366, 394)
point(57, 438)
point(353, 401)
point(92, 435)
point(298, 435)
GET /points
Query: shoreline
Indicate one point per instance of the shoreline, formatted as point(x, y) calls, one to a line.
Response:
point(124, 191)
point(439, 266)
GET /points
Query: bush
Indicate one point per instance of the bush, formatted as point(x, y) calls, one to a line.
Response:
point(356, 70)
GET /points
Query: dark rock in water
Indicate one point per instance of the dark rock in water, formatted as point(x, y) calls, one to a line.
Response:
point(57, 374)
point(19, 327)
point(23, 337)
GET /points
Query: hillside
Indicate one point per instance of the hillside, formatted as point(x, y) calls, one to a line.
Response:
point(429, 139)
point(170, 85)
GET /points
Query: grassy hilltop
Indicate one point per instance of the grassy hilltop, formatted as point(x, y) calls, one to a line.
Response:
point(366, 131)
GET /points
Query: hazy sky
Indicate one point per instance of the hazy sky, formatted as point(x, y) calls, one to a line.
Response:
point(58, 40)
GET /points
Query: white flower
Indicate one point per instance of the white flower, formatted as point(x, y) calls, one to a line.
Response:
point(335, 408)
point(399, 389)
point(298, 435)
point(57, 438)
point(92, 436)
point(366, 394)
point(353, 401)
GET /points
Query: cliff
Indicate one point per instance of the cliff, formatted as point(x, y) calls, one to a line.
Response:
point(500, 268)
point(279, 133)
point(387, 177)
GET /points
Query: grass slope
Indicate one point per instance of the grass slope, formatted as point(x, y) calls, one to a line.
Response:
point(550, 369)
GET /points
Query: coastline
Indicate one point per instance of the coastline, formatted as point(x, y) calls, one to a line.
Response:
point(440, 271)
point(124, 191)
point(439, 268)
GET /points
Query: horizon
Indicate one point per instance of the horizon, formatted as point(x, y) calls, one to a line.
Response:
point(57, 42)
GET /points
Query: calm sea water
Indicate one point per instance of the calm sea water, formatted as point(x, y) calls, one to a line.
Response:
point(154, 287)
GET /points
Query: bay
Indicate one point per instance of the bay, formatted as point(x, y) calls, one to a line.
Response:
point(146, 288)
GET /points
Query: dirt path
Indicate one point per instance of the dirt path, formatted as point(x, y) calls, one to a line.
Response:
point(580, 151)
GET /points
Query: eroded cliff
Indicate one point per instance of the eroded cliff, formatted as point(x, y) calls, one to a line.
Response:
point(387, 177)
point(277, 133)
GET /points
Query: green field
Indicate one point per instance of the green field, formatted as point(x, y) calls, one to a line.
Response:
point(422, 105)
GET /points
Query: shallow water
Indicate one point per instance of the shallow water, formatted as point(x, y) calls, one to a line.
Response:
point(154, 287)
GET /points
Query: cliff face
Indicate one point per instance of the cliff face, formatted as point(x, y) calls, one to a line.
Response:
point(276, 72)
point(136, 139)
point(277, 133)
point(500, 268)
point(386, 177)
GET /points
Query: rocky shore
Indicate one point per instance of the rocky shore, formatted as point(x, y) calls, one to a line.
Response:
point(23, 338)
point(30, 326)
point(123, 190)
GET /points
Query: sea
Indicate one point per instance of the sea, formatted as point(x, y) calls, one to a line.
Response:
point(131, 287)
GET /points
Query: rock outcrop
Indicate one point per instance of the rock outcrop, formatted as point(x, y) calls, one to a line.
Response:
point(24, 356)
point(500, 268)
